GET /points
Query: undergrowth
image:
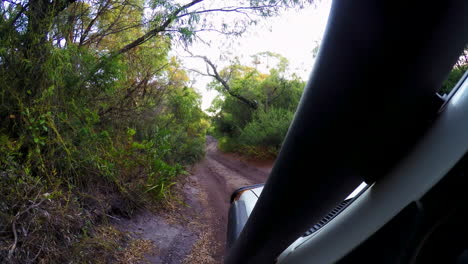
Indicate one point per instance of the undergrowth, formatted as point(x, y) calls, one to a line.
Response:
point(86, 136)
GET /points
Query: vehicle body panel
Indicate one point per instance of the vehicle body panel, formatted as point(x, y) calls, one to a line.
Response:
point(435, 155)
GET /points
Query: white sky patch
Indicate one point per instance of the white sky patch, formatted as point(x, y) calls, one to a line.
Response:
point(293, 35)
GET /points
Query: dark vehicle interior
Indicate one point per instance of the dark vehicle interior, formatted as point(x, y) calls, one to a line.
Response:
point(371, 97)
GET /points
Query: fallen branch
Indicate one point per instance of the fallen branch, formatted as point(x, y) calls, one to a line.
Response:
point(12, 249)
point(15, 242)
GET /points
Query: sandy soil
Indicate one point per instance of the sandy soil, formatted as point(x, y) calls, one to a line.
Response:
point(194, 230)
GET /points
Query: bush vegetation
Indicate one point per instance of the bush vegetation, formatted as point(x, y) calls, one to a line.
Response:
point(254, 110)
point(78, 144)
point(85, 133)
point(256, 129)
point(97, 119)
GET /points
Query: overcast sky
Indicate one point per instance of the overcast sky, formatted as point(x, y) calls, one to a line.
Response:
point(294, 35)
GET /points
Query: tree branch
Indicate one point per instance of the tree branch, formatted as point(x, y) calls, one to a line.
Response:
point(91, 23)
point(210, 65)
point(23, 8)
point(270, 100)
point(240, 9)
point(60, 5)
point(150, 34)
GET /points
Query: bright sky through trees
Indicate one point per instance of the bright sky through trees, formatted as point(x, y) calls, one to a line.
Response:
point(294, 35)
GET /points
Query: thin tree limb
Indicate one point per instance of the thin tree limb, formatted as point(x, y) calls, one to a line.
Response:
point(241, 10)
point(100, 11)
point(215, 74)
point(150, 34)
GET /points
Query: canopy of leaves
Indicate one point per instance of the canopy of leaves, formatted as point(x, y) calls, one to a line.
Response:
point(256, 131)
point(85, 132)
point(457, 72)
point(95, 117)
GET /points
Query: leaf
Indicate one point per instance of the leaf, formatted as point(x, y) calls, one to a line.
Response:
point(131, 132)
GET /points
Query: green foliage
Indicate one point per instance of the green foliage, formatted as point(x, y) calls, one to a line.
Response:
point(85, 133)
point(460, 67)
point(260, 132)
point(267, 129)
point(454, 76)
point(262, 137)
point(256, 132)
point(96, 119)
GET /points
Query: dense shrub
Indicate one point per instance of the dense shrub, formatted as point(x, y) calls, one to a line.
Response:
point(95, 118)
point(86, 135)
point(259, 131)
point(267, 129)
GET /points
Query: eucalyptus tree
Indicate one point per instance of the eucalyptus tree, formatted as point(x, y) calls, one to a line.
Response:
point(256, 129)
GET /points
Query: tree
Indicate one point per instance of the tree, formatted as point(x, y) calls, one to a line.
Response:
point(96, 118)
point(224, 78)
point(186, 20)
point(460, 67)
point(256, 131)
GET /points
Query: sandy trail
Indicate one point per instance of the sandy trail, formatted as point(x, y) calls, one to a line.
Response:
point(195, 231)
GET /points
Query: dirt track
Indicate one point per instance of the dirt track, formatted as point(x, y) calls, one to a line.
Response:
point(195, 232)
point(219, 175)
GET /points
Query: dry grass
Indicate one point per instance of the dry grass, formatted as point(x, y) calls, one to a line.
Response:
point(177, 212)
point(205, 247)
point(109, 245)
point(202, 250)
point(136, 252)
